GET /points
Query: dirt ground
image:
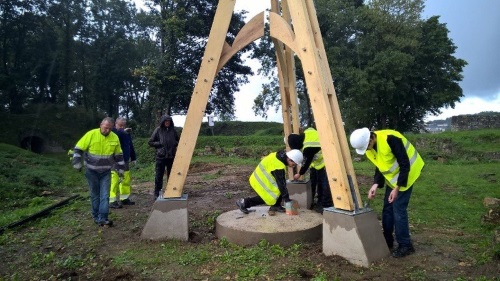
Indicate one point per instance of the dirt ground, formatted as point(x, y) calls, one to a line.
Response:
point(213, 188)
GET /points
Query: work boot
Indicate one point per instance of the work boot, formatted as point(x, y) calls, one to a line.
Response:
point(318, 209)
point(115, 205)
point(127, 202)
point(106, 223)
point(279, 209)
point(241, 204)
point(403, 251)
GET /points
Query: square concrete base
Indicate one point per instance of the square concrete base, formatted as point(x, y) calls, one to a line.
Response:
point(357, 238)
point(168, 220)
point(301, 191)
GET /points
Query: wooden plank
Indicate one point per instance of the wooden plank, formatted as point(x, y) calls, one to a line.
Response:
point(332, 97)
point(290, 63)
point(283, 79)
point(250, 32)
point(199, 99)
point(281, 30)
point(325, 124)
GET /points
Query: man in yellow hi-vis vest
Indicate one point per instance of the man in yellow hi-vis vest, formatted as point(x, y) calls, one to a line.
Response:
point(398, 166)
point(100, 150)
point(269, 182)
point(314, 162)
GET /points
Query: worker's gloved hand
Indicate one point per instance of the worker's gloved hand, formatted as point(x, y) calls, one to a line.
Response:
point(78, 166)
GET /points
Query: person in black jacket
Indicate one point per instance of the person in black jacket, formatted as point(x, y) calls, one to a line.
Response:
point(165, 139)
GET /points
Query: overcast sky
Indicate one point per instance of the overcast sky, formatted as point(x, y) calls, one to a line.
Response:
point(474, 27)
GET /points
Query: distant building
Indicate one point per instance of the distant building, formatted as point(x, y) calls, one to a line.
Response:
point(438, 126)
point(484, 120)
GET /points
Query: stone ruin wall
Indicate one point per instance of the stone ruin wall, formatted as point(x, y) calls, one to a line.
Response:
point(475, 122)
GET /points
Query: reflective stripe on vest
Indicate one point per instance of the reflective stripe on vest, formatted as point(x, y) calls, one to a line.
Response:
point(263, 182)
point(311, 139)
point(386, 162)
point(101, 152)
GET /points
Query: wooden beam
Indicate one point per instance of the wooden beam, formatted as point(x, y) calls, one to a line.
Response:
point(250, 32)
point(332, 98)
point(314, 74)
point(199, 99)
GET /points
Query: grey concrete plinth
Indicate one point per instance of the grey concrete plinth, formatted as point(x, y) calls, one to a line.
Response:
point(355, 237)
point(282, 229)
point(168, 220)
point(301, 191)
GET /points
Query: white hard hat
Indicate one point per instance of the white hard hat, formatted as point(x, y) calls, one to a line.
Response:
point(295, 155)
point(360, 139)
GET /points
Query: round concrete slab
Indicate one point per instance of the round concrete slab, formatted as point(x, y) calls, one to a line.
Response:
point(282, 229)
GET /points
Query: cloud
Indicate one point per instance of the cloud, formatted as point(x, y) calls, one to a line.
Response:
point(470, 105)
point(474, 28)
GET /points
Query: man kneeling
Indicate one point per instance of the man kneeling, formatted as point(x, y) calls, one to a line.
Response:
point(269, 181)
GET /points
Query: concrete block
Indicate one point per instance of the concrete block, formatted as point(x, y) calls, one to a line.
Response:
point(281, 229)
point(301, 191)
point(355, 237)
point(168, 220)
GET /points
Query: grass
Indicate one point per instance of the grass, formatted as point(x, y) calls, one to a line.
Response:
point(447, 198)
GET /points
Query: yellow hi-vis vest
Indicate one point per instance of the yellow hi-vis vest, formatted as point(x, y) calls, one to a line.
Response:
point(101, 151)
point(387, 164)
point(263, 182)
point(311, 139)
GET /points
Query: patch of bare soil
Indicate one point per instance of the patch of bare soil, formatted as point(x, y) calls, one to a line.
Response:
point(213, 189)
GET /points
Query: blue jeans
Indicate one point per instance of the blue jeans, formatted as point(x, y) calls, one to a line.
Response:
point(395, 218)
point(99, 185)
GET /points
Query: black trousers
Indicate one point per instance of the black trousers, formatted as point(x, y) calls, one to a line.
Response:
point(313, 175)
point(325, 198)
point(256, 200)
point(160, 166)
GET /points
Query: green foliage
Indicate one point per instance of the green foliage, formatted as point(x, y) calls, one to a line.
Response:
point(49, 122)
point(238, 128)
point(238, 141)
point(24, 178)
point(447, 199)
point(391, 66)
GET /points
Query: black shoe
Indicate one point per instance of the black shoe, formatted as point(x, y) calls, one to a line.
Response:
point(105, 223)
point(318, 209)
point(403, 251)
point(241, 204)
point(127, 202)
point(115, 205)
point(279, 209)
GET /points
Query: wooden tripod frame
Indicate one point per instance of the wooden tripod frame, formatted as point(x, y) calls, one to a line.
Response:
point(303, 39)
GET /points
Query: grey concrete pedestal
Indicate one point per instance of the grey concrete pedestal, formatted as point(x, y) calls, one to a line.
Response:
point(356, 237)
point(301, 191)
point(282, 229)
point(168, 220)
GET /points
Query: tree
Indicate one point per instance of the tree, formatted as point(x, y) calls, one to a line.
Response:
point(183, 28)
point(390, 67)
point(18, 25)
point(405, 69)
